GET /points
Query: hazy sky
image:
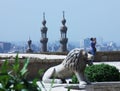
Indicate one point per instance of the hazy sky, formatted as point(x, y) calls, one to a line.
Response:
point(20, 19)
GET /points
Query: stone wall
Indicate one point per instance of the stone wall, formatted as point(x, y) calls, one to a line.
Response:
point(36, 65)
point(107, 56)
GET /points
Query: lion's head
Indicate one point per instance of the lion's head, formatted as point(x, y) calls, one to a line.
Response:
point(77, 59)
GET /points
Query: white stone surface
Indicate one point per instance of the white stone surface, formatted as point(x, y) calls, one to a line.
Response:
point(40, 56)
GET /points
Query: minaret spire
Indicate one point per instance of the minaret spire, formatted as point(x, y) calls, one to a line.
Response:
point(64, 20)
point(63, 15)
point(43, 15)
point(63, 39)
point(44, 38)
point(44, 21)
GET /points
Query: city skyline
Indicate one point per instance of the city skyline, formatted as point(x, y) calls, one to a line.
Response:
point(20, 19)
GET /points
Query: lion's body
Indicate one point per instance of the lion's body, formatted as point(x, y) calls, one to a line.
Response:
point(74, 63)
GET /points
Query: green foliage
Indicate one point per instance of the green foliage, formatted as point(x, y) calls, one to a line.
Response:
point(13, 77)
point(74, 79)
point(102, 72)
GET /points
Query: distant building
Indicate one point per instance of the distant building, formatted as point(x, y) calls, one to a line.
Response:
point(5, 47)
point(86, 43)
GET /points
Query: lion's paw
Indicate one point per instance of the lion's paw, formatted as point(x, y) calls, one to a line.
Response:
point(83, 83)
point(59, 81)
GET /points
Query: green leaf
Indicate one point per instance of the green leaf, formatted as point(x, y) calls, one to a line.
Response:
point(4, 68)
point(19, 86)
point(34, 82)
point(24, 69)
point(16, 65)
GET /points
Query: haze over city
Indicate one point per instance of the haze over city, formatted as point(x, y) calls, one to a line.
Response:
point(20, 19)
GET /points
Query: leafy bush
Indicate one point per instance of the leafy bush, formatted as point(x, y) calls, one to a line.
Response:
point(13, 77)
point(100, 73)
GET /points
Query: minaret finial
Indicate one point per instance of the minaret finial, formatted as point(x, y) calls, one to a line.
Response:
point(43, 15)
point(44, 21)
point(64, 20)
point(63, 14)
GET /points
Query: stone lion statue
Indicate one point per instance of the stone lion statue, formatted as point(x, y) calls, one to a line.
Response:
point(74, 63)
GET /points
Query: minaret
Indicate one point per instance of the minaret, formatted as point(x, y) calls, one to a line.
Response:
point(44, 38)
point(29, 50)
point(64, 39)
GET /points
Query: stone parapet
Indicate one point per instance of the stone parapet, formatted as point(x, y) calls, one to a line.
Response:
point(98, 86)
point(104, 86)
point(99, 57)
point(107, 56)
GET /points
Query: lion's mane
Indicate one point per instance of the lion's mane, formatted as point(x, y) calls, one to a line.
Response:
point(73, 59)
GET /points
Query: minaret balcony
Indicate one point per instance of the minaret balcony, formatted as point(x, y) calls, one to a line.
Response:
point(63, 40)
point(44, 40)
